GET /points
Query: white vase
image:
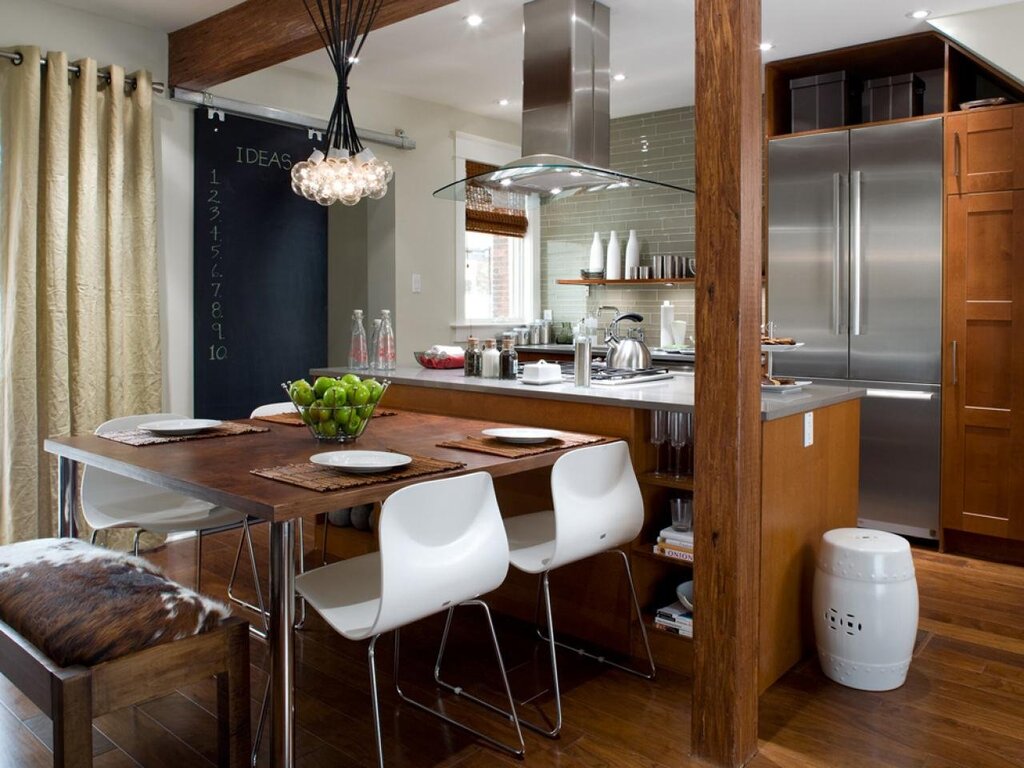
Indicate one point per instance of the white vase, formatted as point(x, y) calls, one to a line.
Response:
point(596, 254)
point(613, 265)
point(632, 253)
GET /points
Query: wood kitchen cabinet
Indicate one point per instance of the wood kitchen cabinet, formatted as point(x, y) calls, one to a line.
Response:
point(983, 371)
point(985, 150)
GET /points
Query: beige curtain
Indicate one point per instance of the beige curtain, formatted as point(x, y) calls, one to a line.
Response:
point(79, 323)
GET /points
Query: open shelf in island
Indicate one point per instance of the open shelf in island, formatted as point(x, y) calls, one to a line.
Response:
point(627, 282)
point(684, 483)
point(646, 549)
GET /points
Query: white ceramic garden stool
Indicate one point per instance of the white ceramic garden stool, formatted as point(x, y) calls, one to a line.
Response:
point(865, 608)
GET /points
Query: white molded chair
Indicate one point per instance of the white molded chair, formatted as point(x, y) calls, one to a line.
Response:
point(597, 508)
point(113, 501)
point(442, 544)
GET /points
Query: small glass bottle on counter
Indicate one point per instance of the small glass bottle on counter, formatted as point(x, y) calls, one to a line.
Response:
point(490, 360)
point(386, 358)
point(508, 361)
point(357, 353)
point(473, 365)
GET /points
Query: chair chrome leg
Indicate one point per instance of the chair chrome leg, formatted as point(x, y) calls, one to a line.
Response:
point(323, 543)
point(135, 542)
point(199, 561)
point(510, 715)
point(646, 675)
point(92, 538)
point(245, 540)
point(302, 569)
point(260, 725)
point(371, 656)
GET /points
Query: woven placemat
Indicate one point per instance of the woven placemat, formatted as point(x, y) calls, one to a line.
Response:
point(481, 444)
point(294, 420)
point(318, 478)
point(140, 437)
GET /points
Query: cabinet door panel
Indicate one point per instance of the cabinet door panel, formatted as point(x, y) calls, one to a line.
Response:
point(985, 151)
point(983, 369)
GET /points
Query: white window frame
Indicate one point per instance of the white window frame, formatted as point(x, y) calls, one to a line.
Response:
point(484, 150)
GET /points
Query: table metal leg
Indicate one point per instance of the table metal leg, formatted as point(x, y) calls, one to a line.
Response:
point(282, 651)
point(67, 497)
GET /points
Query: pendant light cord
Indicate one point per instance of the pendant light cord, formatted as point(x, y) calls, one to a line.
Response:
point(343, 33)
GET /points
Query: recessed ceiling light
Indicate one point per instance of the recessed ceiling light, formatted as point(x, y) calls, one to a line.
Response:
point(923, 13)
point(619, 77)
point(474, 20)
point(503, 102)
point(506, 182)
point(766, 46)
point(556, 190)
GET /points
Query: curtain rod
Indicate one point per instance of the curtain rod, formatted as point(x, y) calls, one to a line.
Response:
point(17, 58)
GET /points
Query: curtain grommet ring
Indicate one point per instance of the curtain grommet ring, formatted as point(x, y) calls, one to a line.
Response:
point(18, 58)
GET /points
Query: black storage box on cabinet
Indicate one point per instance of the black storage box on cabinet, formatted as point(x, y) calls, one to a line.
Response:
point(829, 100)
point(890, 98)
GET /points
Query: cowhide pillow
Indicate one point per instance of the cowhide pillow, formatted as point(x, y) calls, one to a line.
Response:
point(81, 604)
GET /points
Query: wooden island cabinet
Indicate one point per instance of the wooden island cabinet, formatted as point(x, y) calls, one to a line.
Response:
point(805, 490)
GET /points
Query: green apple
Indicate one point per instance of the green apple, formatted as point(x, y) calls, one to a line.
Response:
point(376, 389)
point(328, 428)
point(350, 378)
point(360, 395)
point(365, 411)
point(335, 396)
point(355, 423)
point(306, 416)
point(322, 384)
point(342, 414)
point(301, 393)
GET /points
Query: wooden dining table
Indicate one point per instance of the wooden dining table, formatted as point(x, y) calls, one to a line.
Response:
point(218, 470)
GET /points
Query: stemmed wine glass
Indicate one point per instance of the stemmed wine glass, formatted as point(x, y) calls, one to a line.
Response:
point(678, 431)
point(659, 435)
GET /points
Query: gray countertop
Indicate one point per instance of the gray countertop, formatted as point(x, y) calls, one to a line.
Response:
point(674, 394)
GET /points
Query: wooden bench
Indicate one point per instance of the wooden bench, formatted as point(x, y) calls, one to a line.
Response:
point(73, 696)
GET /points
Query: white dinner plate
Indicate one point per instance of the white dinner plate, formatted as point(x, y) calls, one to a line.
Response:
point(521, 434)
point(784, 387)
point(361, 462)
point(179, 426)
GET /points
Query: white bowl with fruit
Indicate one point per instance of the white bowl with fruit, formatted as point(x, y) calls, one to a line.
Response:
point(336, 410)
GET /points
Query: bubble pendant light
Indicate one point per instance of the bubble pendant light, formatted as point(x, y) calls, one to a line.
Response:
point(343, 170)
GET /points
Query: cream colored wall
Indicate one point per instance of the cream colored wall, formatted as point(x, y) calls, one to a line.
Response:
point(425, 231)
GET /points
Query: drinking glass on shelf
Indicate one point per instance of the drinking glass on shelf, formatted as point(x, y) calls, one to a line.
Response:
point(659, 436)
point(677, 437)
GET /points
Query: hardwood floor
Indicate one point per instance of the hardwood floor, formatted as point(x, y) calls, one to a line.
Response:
point(962, 705)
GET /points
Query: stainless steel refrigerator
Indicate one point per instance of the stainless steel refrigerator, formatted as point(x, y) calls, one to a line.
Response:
point(855, 272)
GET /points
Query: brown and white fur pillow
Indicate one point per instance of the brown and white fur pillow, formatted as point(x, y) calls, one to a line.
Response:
point(81, 604)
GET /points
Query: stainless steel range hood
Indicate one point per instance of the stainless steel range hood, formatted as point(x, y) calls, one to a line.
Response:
point(566, 81)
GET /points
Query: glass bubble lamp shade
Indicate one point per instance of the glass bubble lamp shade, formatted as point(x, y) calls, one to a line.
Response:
point(347, 172)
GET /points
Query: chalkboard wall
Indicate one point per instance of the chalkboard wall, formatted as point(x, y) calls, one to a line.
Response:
point(260, 277)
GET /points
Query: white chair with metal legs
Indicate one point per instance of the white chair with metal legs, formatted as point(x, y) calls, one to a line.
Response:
point(597, 508)
point(113, 501)
point(442, 544)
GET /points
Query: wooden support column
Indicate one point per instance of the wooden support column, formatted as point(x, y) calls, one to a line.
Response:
point(728, 395)
point(256, 34)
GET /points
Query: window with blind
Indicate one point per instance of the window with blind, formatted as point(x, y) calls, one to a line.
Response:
point(497, 253)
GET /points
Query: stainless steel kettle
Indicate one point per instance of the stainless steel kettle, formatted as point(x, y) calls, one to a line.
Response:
point(631, 352)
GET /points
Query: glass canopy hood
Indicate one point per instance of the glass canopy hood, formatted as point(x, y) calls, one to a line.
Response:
point(552, 178)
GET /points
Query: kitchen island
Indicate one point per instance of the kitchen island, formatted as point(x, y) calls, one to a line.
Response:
point(809, 479)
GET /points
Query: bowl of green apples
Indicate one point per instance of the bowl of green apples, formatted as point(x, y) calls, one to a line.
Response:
point(336, 410)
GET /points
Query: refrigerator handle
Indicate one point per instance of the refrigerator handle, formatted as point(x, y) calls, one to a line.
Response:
point(855, 257)
point(955, 371)
point(837, 253)
point(900, 394)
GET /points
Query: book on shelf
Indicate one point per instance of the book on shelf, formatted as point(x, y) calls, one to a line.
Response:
point(679, 538)
point(673, 628)
point(677, 547)
point(682, 555)
point(675, 612)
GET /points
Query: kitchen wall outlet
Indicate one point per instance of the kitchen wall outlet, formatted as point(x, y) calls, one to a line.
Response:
point(417, 283)
point(808, 429)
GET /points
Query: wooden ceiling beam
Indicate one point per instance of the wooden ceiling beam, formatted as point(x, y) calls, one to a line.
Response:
point(256, 34)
